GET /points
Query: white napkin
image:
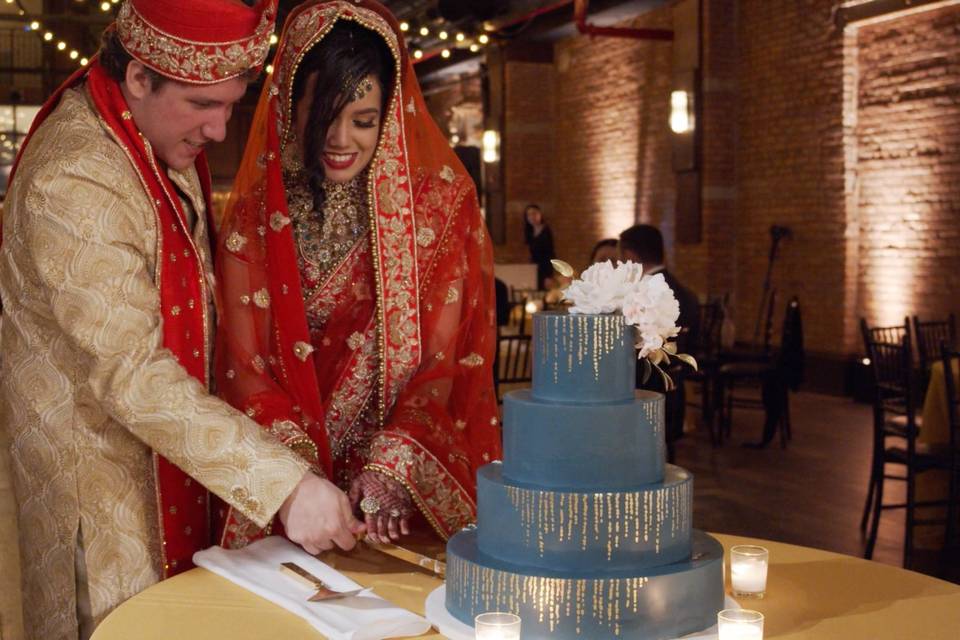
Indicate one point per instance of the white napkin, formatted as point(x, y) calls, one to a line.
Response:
point(257, 569)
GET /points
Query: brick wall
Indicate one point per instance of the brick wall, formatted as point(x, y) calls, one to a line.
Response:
point(586, 138)
point(908, 171)
point(849, 137)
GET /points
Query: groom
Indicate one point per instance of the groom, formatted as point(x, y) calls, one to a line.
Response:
point(105, 277)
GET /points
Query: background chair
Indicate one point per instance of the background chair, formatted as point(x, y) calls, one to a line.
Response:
point(513, 364)
point(774, 373)
point(930, 335)
point(949, 355)
point(895, 419)
point(707, 352)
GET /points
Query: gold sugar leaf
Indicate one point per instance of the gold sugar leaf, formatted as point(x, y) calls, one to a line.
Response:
point(690, 360)
point(562, 268)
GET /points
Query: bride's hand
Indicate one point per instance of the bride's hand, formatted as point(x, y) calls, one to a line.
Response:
point(384, 504)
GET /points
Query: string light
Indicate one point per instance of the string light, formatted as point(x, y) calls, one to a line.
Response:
point(84, 62)
point(74, 54)
point(105, 6)
point(273, 39)
point(48, 36)
point(417, 54)
point(445, 53)
point(424, 31)
point(404, 26)
point(483, 39)
point(61, 45)
point(474, 47)
point(443, 35)
point(269, 69)
point(34, 25)
point(461, 37)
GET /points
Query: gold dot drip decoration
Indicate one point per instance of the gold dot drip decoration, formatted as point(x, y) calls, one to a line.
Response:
point(614, 519)
point(553, 600)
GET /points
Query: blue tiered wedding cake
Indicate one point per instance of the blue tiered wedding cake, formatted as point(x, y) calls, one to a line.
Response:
point(583, 530)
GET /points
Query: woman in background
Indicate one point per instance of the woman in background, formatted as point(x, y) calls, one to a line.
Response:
point(539, 238)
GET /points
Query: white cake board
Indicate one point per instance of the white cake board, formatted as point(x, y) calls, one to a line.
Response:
point(437, 614)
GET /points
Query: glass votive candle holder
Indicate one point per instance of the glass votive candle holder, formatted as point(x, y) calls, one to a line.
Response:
point(748, 570)
point(497, 626)
point(739, 624)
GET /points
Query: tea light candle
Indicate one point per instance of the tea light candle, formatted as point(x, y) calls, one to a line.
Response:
point(497, 626)
point(748, 570)
point(740, 624)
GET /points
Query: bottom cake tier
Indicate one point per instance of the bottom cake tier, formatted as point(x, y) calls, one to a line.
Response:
point(647, 604)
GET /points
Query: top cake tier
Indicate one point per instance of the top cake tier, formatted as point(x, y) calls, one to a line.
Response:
point(583, 358)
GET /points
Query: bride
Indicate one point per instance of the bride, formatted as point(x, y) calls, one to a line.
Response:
point(356, 300)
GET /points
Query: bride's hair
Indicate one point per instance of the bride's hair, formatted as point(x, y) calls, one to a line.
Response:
point(343, 58)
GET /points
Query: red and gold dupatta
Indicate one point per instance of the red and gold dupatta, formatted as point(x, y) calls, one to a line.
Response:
point(398, 378)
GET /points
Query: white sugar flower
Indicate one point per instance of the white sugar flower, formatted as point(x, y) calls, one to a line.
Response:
point(653, 309)
point(603, 286)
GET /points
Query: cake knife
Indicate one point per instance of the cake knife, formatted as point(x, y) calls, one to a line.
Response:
point(438, 567)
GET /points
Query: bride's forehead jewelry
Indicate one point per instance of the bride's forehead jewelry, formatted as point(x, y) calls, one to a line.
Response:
point(363, 87)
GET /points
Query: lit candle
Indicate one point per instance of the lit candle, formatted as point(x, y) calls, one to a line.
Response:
point(497, 626)
point(748, 570)
point(739, 624)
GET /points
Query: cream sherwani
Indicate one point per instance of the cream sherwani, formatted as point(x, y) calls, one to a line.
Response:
point(88, 393)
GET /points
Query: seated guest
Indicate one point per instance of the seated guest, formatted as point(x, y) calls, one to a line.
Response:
point(605, 250)
point(643, 243)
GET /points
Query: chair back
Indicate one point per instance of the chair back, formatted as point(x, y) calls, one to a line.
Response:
point(514, 361)
point(891, 367)
point(711, 323)
point(930, 335)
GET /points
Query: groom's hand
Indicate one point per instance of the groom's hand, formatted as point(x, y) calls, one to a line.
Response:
point(317, 515)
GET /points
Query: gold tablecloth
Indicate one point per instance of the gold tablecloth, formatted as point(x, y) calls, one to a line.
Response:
point(811, 594)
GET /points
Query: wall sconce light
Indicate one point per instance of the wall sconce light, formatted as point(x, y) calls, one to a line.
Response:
point(491, 146)
point(681, 112)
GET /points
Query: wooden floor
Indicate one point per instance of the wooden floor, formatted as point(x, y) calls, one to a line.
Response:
point(811, 493)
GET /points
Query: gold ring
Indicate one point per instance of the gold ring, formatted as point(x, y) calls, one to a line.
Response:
point(370, 505)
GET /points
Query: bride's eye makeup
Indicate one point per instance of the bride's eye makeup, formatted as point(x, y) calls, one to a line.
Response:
point(365, 124)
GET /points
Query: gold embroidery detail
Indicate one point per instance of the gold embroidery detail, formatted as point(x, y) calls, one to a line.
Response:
point(126, 115)
point(173, 510)
point(231, 374)
point(425, 236)
point(235, 242)
point(191, 304)
point(262, 298)
point(439, 355)
point(447, 173)
point(453, 294)
point(460, 425)
point(355, 340)
point(187, 60)
point(175, 310)
point(278, 221)
point(258, 364)
point(261, 231)
point(196, 353)
point(302, 350)
point(472, 360)
point(244, 299)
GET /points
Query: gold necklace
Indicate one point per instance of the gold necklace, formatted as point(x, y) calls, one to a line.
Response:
point(325, 237)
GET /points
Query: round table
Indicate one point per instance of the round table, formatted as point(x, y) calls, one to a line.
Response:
point(810, 594)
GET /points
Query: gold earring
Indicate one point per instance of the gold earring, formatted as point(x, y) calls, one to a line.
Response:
point(291, 158)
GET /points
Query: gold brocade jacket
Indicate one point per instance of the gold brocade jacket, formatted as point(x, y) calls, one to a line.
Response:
point(88, 394)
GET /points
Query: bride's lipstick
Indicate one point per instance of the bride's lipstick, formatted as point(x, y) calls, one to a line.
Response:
point(339, 160)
